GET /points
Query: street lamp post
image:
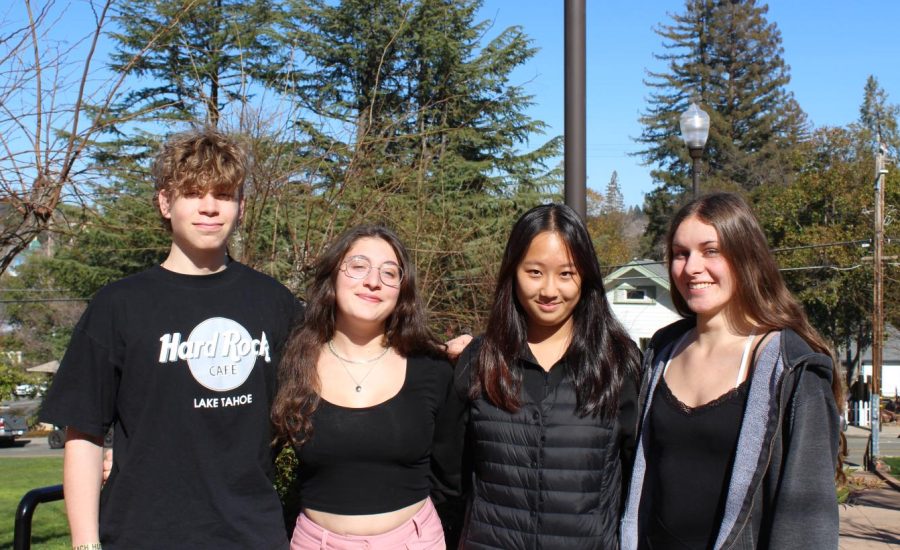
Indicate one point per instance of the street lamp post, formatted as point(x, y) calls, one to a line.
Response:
point(694, 125)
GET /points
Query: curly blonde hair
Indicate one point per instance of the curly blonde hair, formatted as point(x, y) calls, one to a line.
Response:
point(198, 162)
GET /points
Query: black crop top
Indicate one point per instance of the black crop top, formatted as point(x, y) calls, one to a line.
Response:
point(378, 459)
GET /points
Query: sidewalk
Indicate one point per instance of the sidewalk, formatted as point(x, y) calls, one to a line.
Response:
point(871, 519)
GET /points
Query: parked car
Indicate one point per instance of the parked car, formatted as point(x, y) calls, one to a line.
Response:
point(57, 438)
point(12, 426)
point(29, 391)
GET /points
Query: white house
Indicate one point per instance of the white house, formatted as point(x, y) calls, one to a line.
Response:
point(890, 363)
point(639, 296)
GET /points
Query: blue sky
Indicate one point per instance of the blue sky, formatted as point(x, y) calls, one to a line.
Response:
point(831, 47)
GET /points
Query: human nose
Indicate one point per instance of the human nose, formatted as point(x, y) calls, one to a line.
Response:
point(548, 288)
point(209, 205)
point(693, 263)
point(373, 277)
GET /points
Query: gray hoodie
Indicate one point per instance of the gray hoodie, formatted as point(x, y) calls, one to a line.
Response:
point(781, 494)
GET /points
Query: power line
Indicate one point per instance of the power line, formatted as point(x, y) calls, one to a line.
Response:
point(823, 245)
point(43, 300)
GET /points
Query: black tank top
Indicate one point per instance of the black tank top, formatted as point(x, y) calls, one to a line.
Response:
point(690, 451)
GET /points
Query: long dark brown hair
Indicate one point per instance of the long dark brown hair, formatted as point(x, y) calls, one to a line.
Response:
point(600, 354)
point(760, 291)
point(406, 330)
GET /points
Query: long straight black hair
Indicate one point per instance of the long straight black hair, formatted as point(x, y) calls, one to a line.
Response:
point(600, 355)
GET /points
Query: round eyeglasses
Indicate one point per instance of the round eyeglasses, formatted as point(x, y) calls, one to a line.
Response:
point(358, 267)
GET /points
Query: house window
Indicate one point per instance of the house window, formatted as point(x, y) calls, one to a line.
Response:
point(636, 294)
point(627, 294)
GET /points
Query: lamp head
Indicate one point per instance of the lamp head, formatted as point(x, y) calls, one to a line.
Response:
point(694, 125)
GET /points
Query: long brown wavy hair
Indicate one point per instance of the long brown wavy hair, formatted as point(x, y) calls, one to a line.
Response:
point(406, 330)
point(760, 291)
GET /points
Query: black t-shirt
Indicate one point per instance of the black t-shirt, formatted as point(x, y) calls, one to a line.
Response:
point(377, 459)
point(185, 368)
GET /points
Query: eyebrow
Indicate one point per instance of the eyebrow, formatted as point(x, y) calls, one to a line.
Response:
point(368, 259)
point(676, 244)
point(535, 262)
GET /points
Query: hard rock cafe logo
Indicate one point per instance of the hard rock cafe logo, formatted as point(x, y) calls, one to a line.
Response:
point(219, 352)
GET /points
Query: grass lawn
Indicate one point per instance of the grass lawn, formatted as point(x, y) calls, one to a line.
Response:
point(49, 529)
point(894, 463)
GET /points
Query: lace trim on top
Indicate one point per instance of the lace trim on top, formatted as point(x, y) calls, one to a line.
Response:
point(688, 410)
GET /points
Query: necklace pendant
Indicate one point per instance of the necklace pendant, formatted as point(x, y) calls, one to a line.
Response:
point(358, 389)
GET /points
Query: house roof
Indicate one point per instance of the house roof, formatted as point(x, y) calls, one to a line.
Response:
point(651, 269)
point(891, 350)
point(49, 367)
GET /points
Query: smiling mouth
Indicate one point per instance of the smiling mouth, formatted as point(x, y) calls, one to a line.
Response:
point(699, 286)
point(551, 306)
point(208, 226)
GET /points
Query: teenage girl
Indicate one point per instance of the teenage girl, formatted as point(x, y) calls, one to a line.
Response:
point(739, 435)
point(363, 384)
point(550, 392)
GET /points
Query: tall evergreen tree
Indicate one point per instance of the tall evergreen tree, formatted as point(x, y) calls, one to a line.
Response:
point(880, 118)
point(415, 86)
point(614, 201)
point(725, 56)
point(193, 58)
point(418, 125)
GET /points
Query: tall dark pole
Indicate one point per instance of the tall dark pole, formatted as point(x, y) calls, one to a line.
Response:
point(878, 305)
point(575, 131)
point(696, 155)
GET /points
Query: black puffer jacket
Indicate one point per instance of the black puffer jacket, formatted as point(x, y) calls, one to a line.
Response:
point(545, 477)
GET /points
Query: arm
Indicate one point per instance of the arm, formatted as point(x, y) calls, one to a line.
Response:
point(82, 475)
point(447, 446)
point(456, 346)
point(803, 510)
point(448, 454)
point(628, 422)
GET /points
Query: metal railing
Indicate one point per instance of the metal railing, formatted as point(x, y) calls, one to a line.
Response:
point(25, 511)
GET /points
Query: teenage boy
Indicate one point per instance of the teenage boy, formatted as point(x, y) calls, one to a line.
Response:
point(182, 360)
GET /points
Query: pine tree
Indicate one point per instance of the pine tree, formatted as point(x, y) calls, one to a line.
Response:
point(194, 58)
point(880, 118)
point(727, 57)
point(614, 202)
point(421, 128)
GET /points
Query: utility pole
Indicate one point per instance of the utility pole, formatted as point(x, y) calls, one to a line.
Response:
point(575, 144)
point(878, 301)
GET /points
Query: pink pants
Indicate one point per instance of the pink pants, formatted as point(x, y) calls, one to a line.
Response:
point(423, 531)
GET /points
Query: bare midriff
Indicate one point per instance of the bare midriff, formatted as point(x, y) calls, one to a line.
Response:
point(363, 525)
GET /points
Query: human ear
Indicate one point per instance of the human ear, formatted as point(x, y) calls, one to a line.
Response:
point(164, 205)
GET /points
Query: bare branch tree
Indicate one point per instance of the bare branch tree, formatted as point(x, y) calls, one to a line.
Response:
point(46, 89)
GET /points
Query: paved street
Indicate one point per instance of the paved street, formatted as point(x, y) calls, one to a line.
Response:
point(858, 438)
point(27, 447)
